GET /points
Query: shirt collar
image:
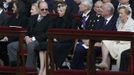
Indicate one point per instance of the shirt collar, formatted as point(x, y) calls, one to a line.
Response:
point(1, 11)
point(108, 19)
point(40, 17)
point(86, 14)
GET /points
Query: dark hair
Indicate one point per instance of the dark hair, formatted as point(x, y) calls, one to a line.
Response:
point(1, 4)
point(20, 7)
point(61, 2)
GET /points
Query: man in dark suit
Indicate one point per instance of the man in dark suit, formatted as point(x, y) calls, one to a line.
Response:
point(109, 17)
point(89, 21)
point(80, 50)
point(3, 16)
point(85, 8)
point(109, 21)
point(3, 50)
point(36, 33)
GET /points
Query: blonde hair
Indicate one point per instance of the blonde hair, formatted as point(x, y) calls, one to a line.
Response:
point(127, 9)
point(35, 4)
point(36, 7)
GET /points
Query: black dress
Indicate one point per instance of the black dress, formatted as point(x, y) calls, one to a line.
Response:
point(61, 47)
point(65, 22)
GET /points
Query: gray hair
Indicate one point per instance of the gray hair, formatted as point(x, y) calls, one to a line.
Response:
point(110, 7)
point(89, 3)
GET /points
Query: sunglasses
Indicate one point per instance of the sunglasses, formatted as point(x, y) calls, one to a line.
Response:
point(44, 9)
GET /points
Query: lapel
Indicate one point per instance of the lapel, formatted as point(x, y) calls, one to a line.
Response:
point(87, 21)
point(109, 22)
point(111, 25)
point(2, 14)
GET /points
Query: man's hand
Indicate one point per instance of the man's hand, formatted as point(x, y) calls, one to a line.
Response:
point(98, 44)
point(4, 39)
point(28, 39)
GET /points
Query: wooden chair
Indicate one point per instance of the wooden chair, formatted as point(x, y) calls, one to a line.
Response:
point(20, 69)
point(13, 70)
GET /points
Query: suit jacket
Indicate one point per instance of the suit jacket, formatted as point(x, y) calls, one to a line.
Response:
point(111, 25)
point(95, 21)
point(20, 21)
point(87, 26)
point(3, 19)
point(13, 21)
point(65, 22)
point(38, 29)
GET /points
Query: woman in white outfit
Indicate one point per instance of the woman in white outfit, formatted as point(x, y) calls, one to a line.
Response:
point(126, 24)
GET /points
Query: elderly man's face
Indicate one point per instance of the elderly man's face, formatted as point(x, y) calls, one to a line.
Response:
point(98, 8)
point(105, 12)
point(83, 7)
point(43, 9)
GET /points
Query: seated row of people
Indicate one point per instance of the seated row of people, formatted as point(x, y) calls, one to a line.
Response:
point(122, 23)
point(102, 17)
point(36, 35)
point(106, 22)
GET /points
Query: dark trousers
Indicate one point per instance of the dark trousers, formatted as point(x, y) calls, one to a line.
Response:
point(60, 52)
point(77, 61)
point(124, 60)
point(3, 52)
point(79, 53)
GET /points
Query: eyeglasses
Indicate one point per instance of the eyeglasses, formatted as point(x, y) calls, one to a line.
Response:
point(44, 9)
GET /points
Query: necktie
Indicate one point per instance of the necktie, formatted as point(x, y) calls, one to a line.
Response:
point(40, 18)
point(105, 22)
point(83, 22)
